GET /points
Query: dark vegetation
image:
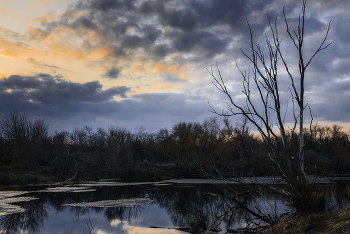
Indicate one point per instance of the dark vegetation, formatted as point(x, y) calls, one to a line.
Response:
point(30, 153)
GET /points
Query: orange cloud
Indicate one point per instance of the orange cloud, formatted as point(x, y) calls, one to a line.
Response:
point(37, 33)
point(49, 18)
point(12, 50)
point(4, 10)
point(7, 11)
point(71, 51)
point(71, 14)
point(44, 2)
point(140, 66)
point(77, 43)
point(169, 68)
point(160, 68)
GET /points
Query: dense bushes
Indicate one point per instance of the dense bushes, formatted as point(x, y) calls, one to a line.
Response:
point(179, 152)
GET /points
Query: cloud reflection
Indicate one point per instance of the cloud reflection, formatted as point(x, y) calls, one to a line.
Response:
point(129, 229)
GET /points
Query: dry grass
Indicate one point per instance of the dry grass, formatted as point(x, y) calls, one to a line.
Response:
point(337, 223)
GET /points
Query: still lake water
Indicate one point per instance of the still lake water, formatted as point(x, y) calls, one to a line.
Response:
point(108, 207)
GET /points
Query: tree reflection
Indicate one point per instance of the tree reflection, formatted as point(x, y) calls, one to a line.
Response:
point(122, 213)
point(339, 196)
point(184, 204)
point(31, 220)
point(219, 206)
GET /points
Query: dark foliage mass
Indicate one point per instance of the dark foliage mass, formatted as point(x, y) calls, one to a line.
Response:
point(186, 150)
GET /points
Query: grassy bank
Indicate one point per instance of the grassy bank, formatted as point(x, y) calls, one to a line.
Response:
point(335, 222)
point(14, 175)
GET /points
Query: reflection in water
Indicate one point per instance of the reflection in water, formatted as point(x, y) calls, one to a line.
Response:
point(340, 195)
point(122, 213)
point(144, 230)
point(31, 219)
point(173, 206)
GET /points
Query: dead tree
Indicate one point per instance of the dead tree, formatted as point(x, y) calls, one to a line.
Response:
point(263, 79)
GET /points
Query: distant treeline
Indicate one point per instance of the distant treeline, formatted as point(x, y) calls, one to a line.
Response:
point(187, 150)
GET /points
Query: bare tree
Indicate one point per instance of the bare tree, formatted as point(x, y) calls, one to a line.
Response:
point(262, 78)
point(28, 140)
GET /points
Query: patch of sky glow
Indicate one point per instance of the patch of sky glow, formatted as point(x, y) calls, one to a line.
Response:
point(117, 98)
point(135, 230)
point(115, 222)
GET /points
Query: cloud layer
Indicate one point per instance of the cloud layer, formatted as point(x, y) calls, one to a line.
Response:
point(70, 105)
point(142, 62)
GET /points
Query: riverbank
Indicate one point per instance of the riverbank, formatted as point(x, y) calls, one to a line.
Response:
point(13, 175)
point(334, 222)
point(141, 172)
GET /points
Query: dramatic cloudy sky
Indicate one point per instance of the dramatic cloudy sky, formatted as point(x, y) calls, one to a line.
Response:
point(134, 63)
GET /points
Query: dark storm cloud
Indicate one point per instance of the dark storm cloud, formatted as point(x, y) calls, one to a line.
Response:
point(106, 5)
point(173, 79)
point(189, 15)
point(203, 42)
point(148, 39)
point(160, 28)
point(112, 73)
point(46, 90)
point(83, 22)
point(159, 51)
point(202, 28)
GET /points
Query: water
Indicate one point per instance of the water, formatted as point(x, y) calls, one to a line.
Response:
point(132, 208)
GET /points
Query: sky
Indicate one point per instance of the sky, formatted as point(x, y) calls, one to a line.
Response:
point(142, 63)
